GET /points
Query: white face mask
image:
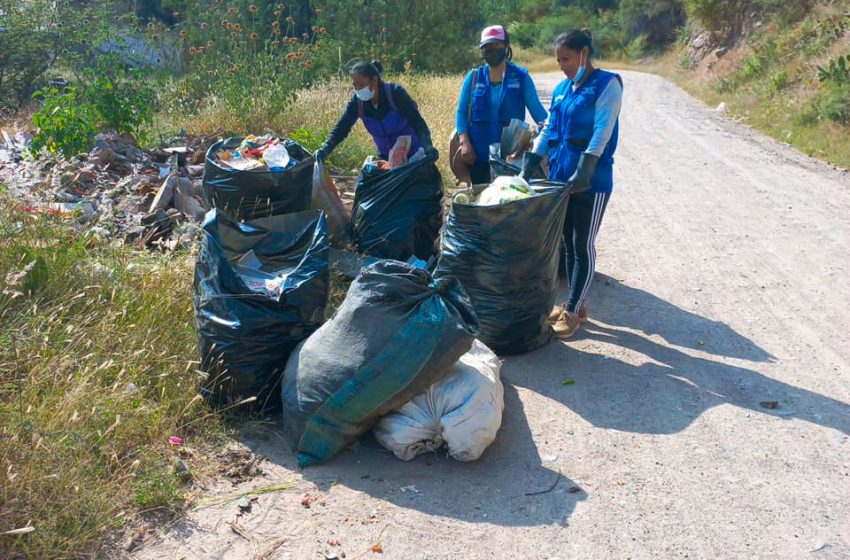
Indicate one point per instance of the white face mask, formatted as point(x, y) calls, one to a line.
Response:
point(364, 94)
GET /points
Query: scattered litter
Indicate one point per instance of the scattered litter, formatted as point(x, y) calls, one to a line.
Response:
point(410, 488)
point(771, 405)
point(552, 487)
point(131, 388)
point(175, 440)
point(21, 531)
point(549, 458)
point(112, 189)
point(244, 503)
point(568, 382)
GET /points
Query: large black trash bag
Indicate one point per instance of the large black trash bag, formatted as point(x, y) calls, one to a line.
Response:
point(245, 195)
point(397, 332)
point(248, 320)
point(398, 212)
point(506, 257)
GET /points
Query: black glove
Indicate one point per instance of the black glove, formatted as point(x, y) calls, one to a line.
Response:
point(530, 161)
point(431, 151)
point(322, 153)
point(580, 181)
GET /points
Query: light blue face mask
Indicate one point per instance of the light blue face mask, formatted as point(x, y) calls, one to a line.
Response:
point(582, 69)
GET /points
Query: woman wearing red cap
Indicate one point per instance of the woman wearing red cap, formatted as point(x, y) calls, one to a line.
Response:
point(491, 96)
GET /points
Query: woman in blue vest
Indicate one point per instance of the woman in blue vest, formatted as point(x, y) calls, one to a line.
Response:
point(580, 138)
point(491, 96)
point(387, 112)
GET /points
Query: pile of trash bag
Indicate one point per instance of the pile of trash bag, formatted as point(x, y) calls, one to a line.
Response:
point(463, 411)
point(506, 256)
point(397, 332)
point(260, 288)
point(257, 191)
point(397, 213)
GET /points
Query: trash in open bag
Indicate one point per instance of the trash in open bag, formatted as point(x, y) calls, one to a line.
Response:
point(506, 256)
point(247, 194)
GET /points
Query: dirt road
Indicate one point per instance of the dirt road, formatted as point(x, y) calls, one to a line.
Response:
point(722, 283)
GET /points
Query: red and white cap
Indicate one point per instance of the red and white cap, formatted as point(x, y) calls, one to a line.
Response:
point(493, 34)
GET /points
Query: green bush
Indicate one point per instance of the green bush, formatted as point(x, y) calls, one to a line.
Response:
point(833, 103)
point(107, 99)
point(66, 123)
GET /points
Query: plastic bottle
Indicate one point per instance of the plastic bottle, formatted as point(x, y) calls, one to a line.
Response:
point(276, 157)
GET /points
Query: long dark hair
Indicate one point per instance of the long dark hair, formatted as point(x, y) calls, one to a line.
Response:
point(367, 69)
point(576, 40)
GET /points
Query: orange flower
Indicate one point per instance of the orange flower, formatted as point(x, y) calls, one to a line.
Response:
point(234, 34)
point(225, 23)
point(231, 11)
point(199, 50)
point(192, 51)
point(307, 64)
point(276, 43)
point(176, 14)
point(290, 19)
point(275, 24)
point(384, 30)
point(228, 26)
point(183, 33)
point(254, 36)
point(322, 30)
point(238, 28)
point(318, 10)
point(277, 31)
point(277, 13)
point(252, 9)
point(291, 40)
point(210, 44)
point(204, 26)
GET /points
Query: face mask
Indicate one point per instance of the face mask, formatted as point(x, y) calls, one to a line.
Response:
point(495, 57)
point(364, 94)
point(581, 70)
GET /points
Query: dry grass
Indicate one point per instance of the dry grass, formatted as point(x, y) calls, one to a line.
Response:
point(316, 110)
point(97, 371)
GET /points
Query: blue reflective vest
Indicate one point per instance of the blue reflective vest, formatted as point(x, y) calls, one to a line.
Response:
point(483, 132)
point(571, 121)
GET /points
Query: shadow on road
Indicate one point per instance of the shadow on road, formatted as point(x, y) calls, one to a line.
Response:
point(671, 388)
point(491, 490)
point(662, 395)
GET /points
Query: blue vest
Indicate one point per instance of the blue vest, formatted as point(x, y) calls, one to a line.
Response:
point(483, 132)
point(571, 124)
point(387, 130)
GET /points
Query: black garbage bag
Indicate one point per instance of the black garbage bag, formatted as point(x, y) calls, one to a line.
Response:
point(397, 332)
point(398, 212)
point(260, 288)
point(499, 166)
point(245, 195)
point(506, 257)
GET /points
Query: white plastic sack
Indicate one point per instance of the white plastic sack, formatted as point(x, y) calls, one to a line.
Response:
point(462, 411)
